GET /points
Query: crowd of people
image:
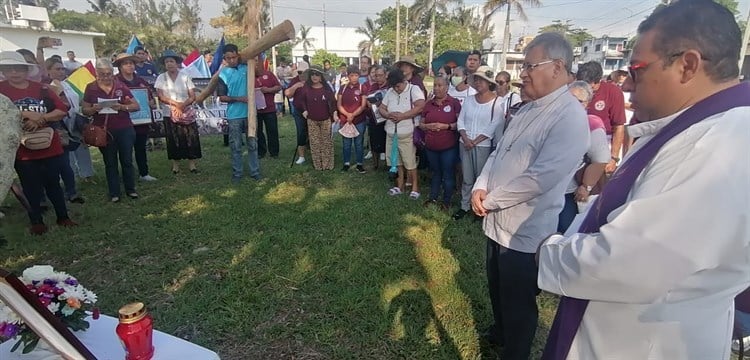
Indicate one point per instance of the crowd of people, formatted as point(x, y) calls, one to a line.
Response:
point(641, 273)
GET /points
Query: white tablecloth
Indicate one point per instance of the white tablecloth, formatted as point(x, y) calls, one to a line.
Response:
point(103, 342)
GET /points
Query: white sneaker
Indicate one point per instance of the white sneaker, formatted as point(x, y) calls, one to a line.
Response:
point(369, 155)
point(300, 160)
point(148, 178)
point(382, 156)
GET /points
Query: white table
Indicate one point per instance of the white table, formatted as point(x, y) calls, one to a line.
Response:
point(103, 342)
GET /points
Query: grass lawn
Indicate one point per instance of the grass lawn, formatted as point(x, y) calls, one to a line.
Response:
point(303, 264)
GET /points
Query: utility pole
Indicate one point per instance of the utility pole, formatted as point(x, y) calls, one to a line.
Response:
point(325, 34)
point(745, 40)
point(506, 40)
point(406, 38)
point(398, 30)
point(273, 49)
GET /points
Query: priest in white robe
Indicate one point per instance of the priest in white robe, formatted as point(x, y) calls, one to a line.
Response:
point(657, 261)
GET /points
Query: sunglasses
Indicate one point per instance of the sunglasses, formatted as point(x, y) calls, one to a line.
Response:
point(642, 65)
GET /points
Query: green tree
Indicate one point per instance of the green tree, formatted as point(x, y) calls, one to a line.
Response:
point(284, 51)
point(304, 38)
point(430, 8)
point(493, 6)
point(321, 56)
point(189, 19)
point(386, 31)
point(576, 36)
point(371, 32)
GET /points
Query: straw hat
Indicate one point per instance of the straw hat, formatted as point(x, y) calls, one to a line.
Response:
point(408, 59)
point(124, 57)
point(8, 58)
point(485, 72)
point(170, 54)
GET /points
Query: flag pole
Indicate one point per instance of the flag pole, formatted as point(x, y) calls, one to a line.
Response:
point(252, 8)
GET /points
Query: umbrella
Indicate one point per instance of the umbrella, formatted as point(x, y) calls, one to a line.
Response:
point(452, 58)
point(394, 151)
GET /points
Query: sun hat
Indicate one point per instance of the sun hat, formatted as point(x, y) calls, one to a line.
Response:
point(9, 58)
point(170, 54)
point(408, 59)
point(313, 69)
point(485, 72)
point(124, 57)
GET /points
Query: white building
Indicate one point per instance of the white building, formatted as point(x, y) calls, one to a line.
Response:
point(342, 41)
point(29, 23)
point(609, 51)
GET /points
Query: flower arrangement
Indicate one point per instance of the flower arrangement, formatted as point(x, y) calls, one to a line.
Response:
point(60, 293)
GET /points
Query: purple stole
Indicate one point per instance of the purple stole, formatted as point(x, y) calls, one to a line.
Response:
point(570, 311)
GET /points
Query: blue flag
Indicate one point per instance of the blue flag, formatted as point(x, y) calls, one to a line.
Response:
point(218, 57)
point(134, 42)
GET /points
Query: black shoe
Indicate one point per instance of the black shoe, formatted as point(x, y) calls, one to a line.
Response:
point(361, 169)
point(194, 171)
point(77, 200)
point(458, 215)
point(345, 168)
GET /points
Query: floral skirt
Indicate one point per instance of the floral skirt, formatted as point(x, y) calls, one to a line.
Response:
point(183, 141)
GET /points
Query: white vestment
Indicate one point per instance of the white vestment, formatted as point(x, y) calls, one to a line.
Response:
point(661, 276)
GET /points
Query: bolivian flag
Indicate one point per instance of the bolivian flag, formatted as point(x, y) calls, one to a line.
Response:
point(81, 77)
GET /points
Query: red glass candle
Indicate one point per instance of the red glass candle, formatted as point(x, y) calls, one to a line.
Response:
point(135, 331)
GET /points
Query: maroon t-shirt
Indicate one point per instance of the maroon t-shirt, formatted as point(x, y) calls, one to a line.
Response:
point(138, 82)
point(351, 101)
point(36, 97)
point(121, 120)
point(445, 113)
point(608, 103)
point(319, 103)
point(267, 79)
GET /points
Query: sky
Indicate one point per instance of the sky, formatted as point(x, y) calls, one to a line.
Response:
point(600, 17)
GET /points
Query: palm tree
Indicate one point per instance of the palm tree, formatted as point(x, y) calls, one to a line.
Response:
point(100, 6)
point(430, 7)
point(304, 38)
point(371, 32)
point(493, 6)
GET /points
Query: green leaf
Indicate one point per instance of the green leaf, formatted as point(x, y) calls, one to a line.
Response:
point(30, 346)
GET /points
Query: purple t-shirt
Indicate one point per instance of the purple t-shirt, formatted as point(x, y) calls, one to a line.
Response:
point(121, 120)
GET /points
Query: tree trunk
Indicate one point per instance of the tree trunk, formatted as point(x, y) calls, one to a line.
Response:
point(506, 41)
point(10, 133)
point(432, 39)
point(398, 30)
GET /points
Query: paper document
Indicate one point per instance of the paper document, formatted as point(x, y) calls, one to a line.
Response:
point(107, 105)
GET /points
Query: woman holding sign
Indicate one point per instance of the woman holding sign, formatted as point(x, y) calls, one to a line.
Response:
point(176, 89)
point(125, 63)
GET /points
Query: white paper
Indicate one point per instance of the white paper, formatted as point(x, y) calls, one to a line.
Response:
point(107, 105)
point(260, 100)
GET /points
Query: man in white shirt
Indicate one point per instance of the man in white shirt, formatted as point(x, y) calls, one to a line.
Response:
point(71, 64)
point(655, 265)
point(521, 189)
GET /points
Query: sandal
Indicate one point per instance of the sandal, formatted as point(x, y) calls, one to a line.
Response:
point(394, 191)
point(414, 195)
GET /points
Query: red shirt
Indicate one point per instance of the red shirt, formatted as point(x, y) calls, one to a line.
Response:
point(36, 97)
point(445, 113)
point(608, 103)
point(267, 79)
point(319, 103)
point(138, 82)
point(120, 91)
point(351, 101)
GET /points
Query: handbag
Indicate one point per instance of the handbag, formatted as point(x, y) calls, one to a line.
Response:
point(96, 135)
point(38, 139)
point(418, 135)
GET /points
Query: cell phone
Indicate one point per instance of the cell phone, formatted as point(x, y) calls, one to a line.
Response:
point(56, 41)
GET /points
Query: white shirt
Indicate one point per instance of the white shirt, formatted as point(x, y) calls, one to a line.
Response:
point(526, 176)
point(598, 152)
point(661, 276)
point(177, 90)
point(401, 103)
point(479, 119)
point(461, 95)
point(71, 66)
point(510, 99)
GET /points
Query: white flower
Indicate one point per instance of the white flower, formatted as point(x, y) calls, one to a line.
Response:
point(53, 307)
point(38, 273)
point(8, 316)
point(77, 292)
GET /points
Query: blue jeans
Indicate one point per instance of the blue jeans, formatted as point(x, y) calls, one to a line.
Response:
point(237, 128)
point(568, 213)
point(68, 176)
point(442, 165)
point(358, 148)
point(39, 177)
point(80, 161)
point(119, 147)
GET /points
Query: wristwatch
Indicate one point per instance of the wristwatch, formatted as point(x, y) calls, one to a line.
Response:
point(588, 188)
point(616, 159)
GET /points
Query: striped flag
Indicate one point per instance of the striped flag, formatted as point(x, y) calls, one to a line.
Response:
point(195, 65)
point(81, 77)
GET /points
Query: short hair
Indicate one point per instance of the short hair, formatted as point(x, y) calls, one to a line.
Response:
point(703, 25)
point(448, 69)
point(353, 69)
point(583, 86)
point(56, 57)
point(343, 65)
point(49, 63)
point(590, 72)
point(71, 52)
point(504, 74)
point(375, 68)
point(475, 52)
point(207, 52)
point(135, 50)
point(326, 61)
point(555, 47)
point(104, 63)
point(459, 68)
point(441, 78)
point(231, 48)
point(395, 77)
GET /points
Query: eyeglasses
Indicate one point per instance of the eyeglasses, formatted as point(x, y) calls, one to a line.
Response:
point(104, 75)
point(528, 67)
point(633, 69)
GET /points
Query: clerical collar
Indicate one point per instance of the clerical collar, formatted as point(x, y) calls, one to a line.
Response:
point(549, 98)
point(652, 127)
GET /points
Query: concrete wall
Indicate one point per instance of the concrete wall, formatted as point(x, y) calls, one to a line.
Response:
point(13, 38)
